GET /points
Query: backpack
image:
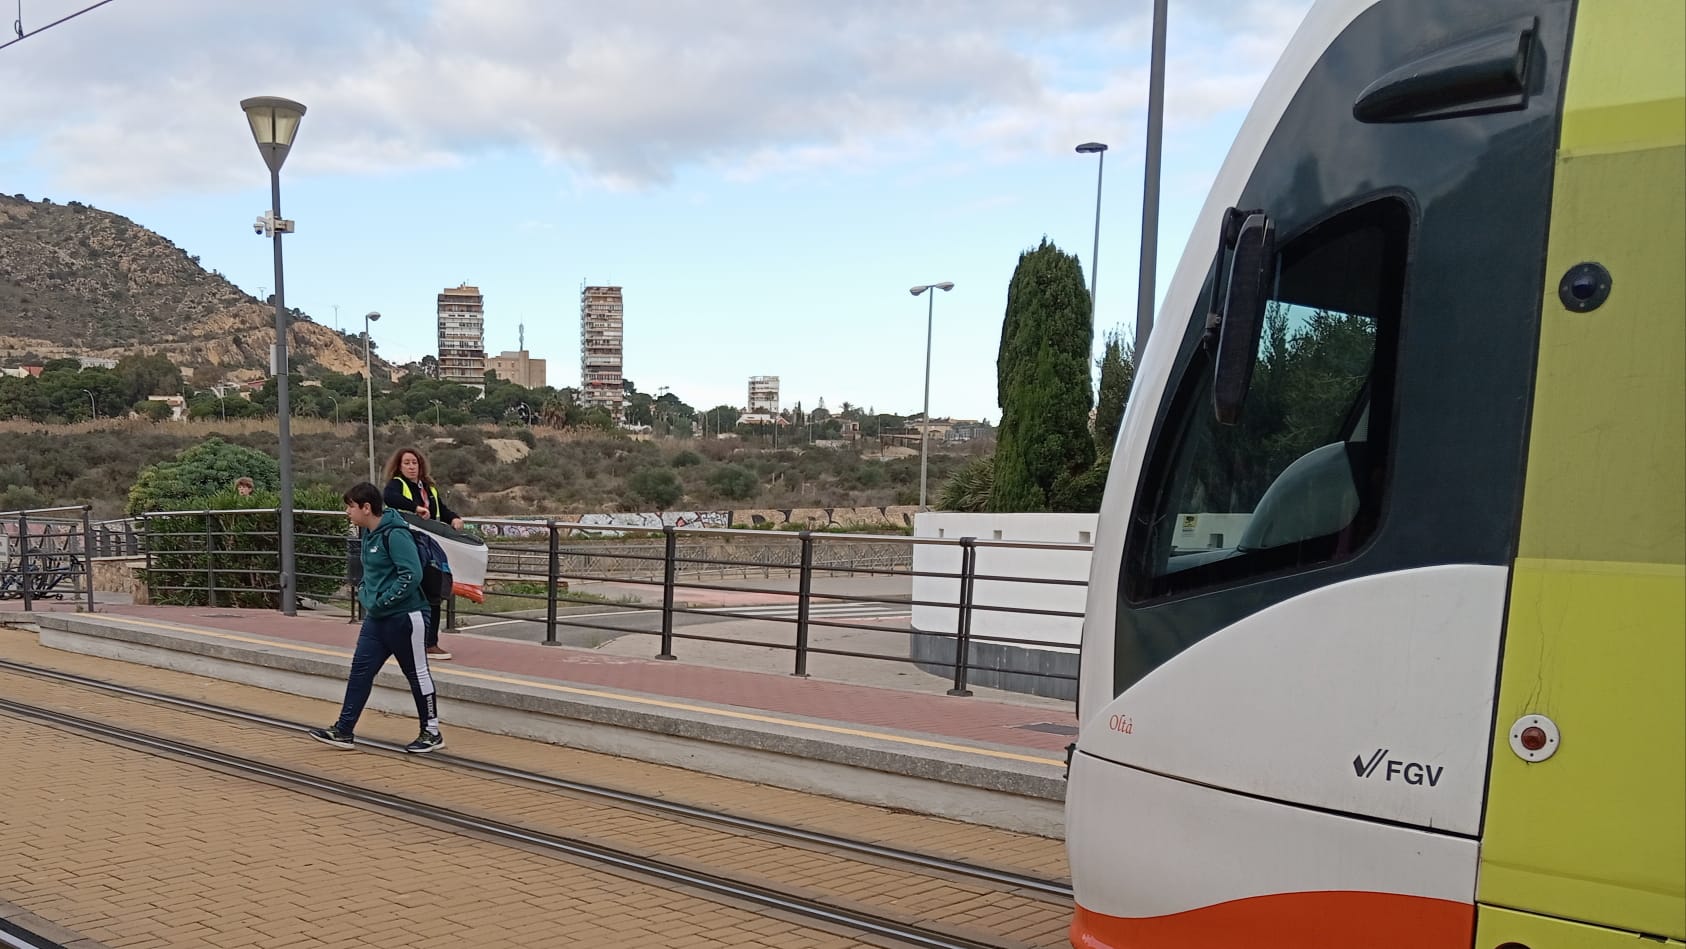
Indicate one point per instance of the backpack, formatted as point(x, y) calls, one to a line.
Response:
point(436, 569)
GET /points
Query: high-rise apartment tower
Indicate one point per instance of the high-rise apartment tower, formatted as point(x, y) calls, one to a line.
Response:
point(600, 350)
point(764, 394)
point(462, 335)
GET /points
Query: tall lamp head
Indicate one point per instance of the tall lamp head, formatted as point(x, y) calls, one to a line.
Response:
point(274, 122)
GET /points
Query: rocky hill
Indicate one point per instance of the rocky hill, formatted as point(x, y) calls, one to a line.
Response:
point(78, 281)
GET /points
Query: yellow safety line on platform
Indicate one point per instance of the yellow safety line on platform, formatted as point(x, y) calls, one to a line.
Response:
point(618, 697)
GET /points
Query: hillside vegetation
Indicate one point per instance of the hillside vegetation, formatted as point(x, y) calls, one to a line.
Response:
point(78, 281)
point(489, 470)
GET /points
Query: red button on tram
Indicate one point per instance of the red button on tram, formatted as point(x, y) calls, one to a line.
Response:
point(1533, 738)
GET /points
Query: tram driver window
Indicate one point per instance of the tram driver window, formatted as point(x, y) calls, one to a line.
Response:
point(1298, 481)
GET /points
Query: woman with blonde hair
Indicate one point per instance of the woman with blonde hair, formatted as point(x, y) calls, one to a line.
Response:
point(409, 487)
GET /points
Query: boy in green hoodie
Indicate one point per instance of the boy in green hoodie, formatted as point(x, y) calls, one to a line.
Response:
point(393, 624)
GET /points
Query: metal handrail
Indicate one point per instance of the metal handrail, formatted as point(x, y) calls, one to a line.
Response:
point(202, 558)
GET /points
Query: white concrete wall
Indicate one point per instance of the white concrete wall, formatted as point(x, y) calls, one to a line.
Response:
point(1005, 562)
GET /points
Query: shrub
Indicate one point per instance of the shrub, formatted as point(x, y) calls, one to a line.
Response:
point(20, 497)
point(734, 482)
point(234, 562)
point(686, 459)
point(206, 470)
point(154, 411)
point(659, 486)
point(968, 489)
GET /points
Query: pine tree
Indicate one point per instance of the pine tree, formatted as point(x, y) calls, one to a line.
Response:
point(1042, 383)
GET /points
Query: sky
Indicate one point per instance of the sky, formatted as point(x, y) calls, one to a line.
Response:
point(765, 178)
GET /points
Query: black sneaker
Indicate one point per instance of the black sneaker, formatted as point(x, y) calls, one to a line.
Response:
point(333, 736)
point(425, 742)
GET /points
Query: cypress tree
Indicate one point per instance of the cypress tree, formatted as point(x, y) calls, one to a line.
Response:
point(1117, 375)
point(1042, 384)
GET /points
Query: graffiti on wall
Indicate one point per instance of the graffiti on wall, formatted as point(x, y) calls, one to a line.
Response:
point(658, 520)
point(818, 518)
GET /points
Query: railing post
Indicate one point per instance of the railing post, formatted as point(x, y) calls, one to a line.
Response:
point(88, 555)
point(551, 581)
point(804, 591)
point(210, 563)
point(354, 562)
point(671, 554)
point(23, 561)
point(146, 572)
point(963, 616)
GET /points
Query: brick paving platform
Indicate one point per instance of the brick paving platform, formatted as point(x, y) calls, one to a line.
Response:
point(991, 762)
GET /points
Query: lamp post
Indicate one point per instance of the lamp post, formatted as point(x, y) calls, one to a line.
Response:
point(222, 407)
point(1095, 148)
point(1150, 183)
point(369, 390)
point(336, 408)
point(925, 433)
point(435, 412)
point(92, 405)
point(274, 122)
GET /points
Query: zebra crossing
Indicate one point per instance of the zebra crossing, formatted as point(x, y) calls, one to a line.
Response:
point(820, 610)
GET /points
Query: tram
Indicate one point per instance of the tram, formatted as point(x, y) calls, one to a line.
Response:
point(1385, 644)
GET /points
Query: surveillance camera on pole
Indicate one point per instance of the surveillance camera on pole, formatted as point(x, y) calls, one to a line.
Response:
point(268, 224)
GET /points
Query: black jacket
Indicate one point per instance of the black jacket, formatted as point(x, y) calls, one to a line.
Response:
point(404, 494)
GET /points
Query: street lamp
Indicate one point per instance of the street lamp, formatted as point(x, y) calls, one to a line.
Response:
point(925, 434)
point(435, 412)
point(369, 390)
point(1095, 148)
point(336, 407)
point(1150, 182)
point(94, 407)
point(274, 122)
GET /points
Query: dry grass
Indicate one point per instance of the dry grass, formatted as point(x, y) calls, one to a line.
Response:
point(565, 473)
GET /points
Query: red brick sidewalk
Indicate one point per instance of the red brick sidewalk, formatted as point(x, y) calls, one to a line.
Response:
point(938, 715)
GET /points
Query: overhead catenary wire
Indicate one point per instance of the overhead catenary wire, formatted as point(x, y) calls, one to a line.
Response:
point(17, 25)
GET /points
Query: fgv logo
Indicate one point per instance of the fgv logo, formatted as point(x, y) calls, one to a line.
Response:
point(1414, 773)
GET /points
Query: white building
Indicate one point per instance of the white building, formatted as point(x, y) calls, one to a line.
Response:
point(763, 394)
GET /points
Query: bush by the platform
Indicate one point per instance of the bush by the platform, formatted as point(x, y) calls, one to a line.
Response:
point(227, 553)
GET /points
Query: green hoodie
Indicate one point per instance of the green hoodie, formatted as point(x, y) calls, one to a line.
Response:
point(391, 569)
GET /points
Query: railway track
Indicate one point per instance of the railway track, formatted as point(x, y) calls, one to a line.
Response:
point(796, 900)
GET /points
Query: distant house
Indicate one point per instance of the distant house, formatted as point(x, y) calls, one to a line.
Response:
point(951, 430)
point(966, 430)
point(177, 404)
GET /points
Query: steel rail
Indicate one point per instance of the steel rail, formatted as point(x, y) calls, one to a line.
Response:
point(1051, 888)
point(13, 936)
point(713, 884)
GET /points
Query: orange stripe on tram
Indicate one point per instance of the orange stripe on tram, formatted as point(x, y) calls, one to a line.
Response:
point(1322, 920)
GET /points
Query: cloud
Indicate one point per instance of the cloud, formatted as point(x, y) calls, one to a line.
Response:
point(141, 98)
